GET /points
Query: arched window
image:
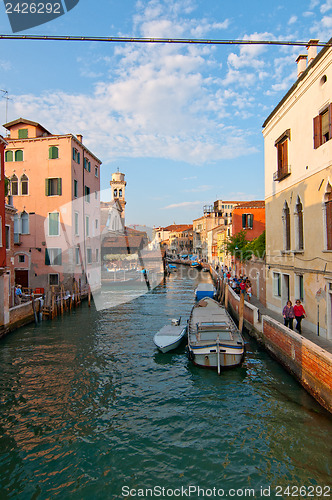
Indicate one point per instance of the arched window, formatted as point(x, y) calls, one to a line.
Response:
point(14, 185)
point(286, 224)
point(120, 193)
point(115, 193)
point(19, 155)
point(24, 185)
point(16, 229)
point(24, 223)
point(53, 152)
point(298, 215)
point(328, 217)
point(9, 156)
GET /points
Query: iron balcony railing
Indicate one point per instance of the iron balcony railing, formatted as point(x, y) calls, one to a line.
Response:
point(281, 173)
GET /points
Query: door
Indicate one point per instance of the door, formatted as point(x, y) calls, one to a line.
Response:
point(285, 289)
point(22, 277)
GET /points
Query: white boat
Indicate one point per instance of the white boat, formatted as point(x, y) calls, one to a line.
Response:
point(214, 341)
point(170, 336)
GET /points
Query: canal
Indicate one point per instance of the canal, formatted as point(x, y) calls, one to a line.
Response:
point(89, 409)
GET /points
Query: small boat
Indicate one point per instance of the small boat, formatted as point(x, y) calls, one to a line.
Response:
point(170, 336)
point(196, 265)
point(205, 290)
point(171, 268)
point(214, 341)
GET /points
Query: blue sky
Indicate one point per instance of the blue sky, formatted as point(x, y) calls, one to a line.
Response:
point(184, 123)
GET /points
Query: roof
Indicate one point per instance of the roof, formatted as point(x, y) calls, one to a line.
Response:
point(178, 227)
point(300, 78)
point(251, 204)
point(121, 241)
point(23, 120)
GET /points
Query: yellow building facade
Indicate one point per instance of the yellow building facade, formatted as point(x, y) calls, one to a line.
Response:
point(298, 193)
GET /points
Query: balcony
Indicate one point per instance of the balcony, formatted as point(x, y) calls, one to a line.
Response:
point(282, 173)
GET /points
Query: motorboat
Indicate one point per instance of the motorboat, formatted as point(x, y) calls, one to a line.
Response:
point(214, 341)
point(205, 290)
point(170, 336)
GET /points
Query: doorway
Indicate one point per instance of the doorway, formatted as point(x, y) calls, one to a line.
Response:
point(22, 277)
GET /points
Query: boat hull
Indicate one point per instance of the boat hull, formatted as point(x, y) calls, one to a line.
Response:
point(171, 339)
point(214, 340)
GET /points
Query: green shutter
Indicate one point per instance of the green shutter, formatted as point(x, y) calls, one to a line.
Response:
point(60, 186)
point(19, 155)
point(47, 189)
point(78, 157)
point(9, 156)
point(23, 133)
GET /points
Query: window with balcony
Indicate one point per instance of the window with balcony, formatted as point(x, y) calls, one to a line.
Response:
point(322, 127)
point(283, 167)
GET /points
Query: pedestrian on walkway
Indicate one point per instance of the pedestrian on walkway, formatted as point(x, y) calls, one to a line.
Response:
point(299, 313)
point(288, 314)
point(249, 290)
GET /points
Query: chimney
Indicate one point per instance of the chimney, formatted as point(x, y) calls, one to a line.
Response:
point(301, 64)
point(79, 137)
point(312, 50)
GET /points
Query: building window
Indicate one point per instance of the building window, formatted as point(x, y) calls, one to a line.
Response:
point(96, 195)
point(53, 279)
point(16, 229)
point(96, 171)
point(75, 188)
point(247, 221)
point(298, 219)
point(286, 226)
point(24, 223)
point(14, 185)
point(328, 217)
point(322, 127)
point(97, 254)
point(89, 255)
point(87, 226)
point(120, 193)
point(87, 193)
point(24, 185)
point(76, 156)
point(54, 224)
point(76, 223)
point(77, 256)
point(115, 193)
point(53, 187)
point(19, 155)
point(9, 156)
point(283, 168)
point(87, 165)
point(21, 259)
point(96, 221)
point(22, 133)
point(300, 294)
point(53, 257)
point(7, 228)
point(53, 152)
point(276, 284)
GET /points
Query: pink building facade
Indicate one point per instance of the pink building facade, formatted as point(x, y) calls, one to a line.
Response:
point(54, 184)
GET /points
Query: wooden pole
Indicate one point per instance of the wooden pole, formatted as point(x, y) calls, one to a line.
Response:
point(241, 310)
point(89, 297)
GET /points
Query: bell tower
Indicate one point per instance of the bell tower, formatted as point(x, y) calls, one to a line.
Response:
point(118, 187)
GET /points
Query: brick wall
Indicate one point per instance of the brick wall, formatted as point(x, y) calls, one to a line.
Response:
point(310, 364)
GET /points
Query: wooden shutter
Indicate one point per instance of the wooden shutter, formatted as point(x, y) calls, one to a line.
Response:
point(47, 258)
point(59, 186)
point(78, 157)
point(284, 155)
point(317, 131)
point(244, 221)
point(250, 221)
point(47, 189)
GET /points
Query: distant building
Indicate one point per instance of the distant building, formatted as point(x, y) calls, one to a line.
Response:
point(298, 193)
point(249, 216)
point(54, 184)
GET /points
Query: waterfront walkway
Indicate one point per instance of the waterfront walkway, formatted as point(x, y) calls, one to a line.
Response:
point(324, 344)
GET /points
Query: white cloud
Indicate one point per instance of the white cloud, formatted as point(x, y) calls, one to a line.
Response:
point(292, 20)
point(199, 189)
point(326, 6)
point(185, 204)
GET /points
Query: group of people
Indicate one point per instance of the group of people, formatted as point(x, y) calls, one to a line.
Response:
point(291, 312)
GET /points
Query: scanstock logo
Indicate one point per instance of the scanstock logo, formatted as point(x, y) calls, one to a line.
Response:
point(29, 13)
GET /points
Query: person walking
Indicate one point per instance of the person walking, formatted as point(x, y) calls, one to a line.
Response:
point(299, 313)
point(288, 314)
point(249, 290)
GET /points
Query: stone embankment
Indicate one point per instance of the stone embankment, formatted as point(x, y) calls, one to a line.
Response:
point(307, 361)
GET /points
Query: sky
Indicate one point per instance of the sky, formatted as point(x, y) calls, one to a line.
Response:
point(183, 122)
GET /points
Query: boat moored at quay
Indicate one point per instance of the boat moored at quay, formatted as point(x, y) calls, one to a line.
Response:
point(214, 341)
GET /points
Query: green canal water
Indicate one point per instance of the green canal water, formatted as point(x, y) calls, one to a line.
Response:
point(90, 409)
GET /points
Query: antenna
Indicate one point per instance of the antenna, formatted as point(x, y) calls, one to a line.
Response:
point(5, 96)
